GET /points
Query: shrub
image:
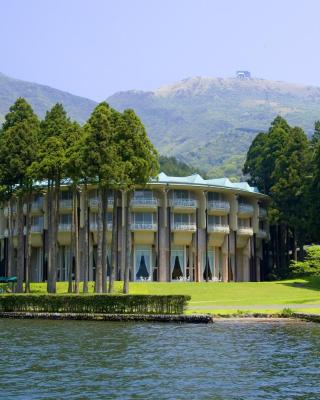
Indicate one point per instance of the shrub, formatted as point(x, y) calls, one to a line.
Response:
point(287, 312)
point(311, 264)
point(108, 304)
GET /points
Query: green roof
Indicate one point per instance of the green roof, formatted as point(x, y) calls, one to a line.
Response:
point(196, 179)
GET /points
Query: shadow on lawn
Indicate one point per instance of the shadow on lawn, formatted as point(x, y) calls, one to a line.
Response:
point(309, 282)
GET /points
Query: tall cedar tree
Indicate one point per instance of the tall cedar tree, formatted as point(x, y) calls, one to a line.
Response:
point(100, 155)
point(18, 149)
point(139, 163)
point(50, 166)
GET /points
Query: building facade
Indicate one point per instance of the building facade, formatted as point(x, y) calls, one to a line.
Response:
point(182, 229)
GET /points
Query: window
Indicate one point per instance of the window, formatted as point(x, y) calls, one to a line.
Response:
point(65, 195)
point(244, 222)
point(214, 196)
point(142, 218)
point(146, 194)
point(143, 263)
point(217, 220)
point(177, 262)
point(208, 265)
point(181, 194)
point(183, 219)
point(65, 219)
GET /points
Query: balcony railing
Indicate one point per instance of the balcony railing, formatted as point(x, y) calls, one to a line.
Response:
point(245, 208)
point(36, 228)
point(144, 201)
point(94, 202)
point(65, 203)
point(245, 230)
point(65, 227)
point(144, 226)
point(94, 226)
point(184, 203)
point(219, 205)
point(180, 226)
point(218, 228)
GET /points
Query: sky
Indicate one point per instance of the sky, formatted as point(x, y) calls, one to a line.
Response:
point(94, 48)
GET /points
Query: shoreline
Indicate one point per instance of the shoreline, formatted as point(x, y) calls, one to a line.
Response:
point(165, 318)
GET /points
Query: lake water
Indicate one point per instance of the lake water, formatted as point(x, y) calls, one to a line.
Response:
point(103, 360)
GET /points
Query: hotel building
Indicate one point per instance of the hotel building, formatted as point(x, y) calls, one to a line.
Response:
point(182, 229)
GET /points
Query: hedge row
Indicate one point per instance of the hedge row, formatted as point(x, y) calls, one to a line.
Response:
point(108, 304)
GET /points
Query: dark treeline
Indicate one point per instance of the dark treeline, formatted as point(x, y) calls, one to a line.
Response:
point(174, 167)
point(285, 164)
point(111, 150)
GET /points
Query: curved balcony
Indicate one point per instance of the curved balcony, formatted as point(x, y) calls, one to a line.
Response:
point(245, 231)
point(36, 207)
point(218, 228)
point(94, 202)
point(144, 203)
point(183, 204)
point(181, 227)
point(94, 226)
point(144, 227)
point(36, 228)
point(245, 210)
point(64, 227)
point(218, 207)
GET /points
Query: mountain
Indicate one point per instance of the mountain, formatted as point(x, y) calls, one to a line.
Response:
point(209, 123)
point(42, 98)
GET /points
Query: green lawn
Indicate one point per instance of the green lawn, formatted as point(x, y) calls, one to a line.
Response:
point(214, 297)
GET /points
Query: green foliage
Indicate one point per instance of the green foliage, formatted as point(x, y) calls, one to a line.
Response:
point(109, 304)
point(287, 313)
point(174, 167)
point(19, 144)
point(310, 265)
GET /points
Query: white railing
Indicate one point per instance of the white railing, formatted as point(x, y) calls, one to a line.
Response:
point(144, 227)
point(65, 227)
point(36, 228)
point(245, 208)
point(94, 202)
point(65, 203)
point(245, 230)
point(219, 205)
point(144, 201)
point(180, 226)
point(94, 226)
point(262, 212)
point(219, 228)
point(188, 203)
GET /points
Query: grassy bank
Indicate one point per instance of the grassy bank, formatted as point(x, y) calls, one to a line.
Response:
point(220, 298)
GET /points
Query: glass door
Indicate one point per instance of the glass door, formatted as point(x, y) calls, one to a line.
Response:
point(143, 263)
point(177, 263)
point(208, 266)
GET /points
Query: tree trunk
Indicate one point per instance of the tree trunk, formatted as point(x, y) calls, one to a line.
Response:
point(73, 235)
point(114, 244)
point(50, 236)
point(128, 246)
point(294, 245)
point(98, 287)
point(28, 244)
point(20, 247)
point(10, 238)
point(85, 258)
point(104, 239)
point(77, 258)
